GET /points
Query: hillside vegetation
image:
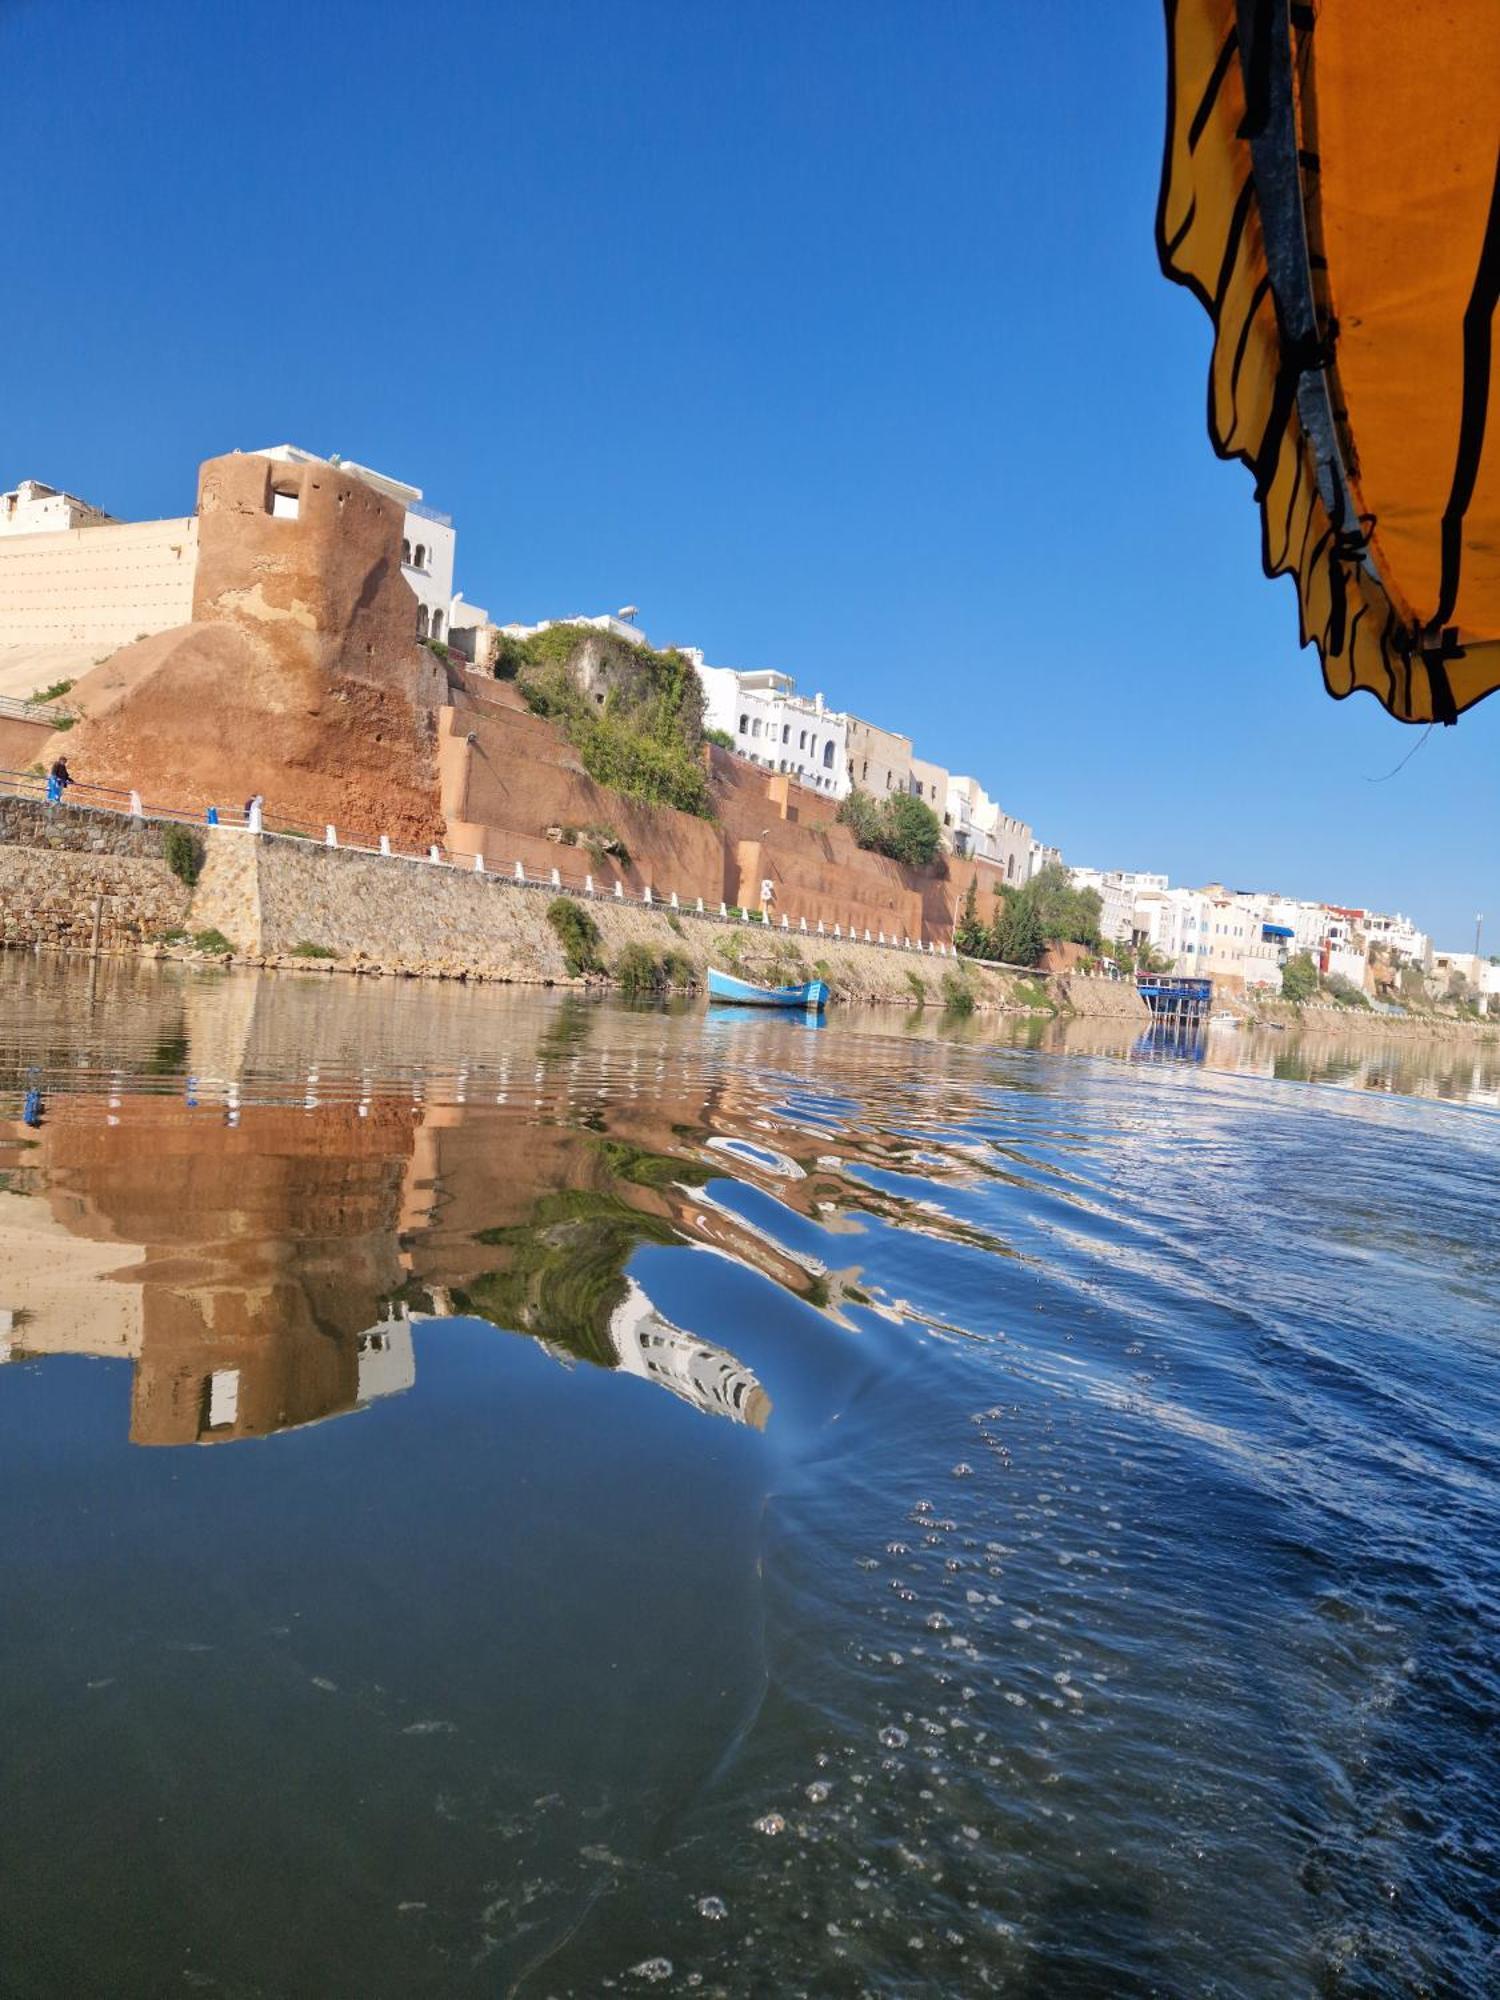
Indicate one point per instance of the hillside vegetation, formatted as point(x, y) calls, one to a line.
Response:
point(634, 716)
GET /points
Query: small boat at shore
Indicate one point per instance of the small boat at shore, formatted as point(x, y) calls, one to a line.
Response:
point(811, 995)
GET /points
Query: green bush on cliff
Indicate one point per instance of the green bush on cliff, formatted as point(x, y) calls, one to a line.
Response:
point(578, 935)
point(901, 827)
point(182, 853)
point(634, 715)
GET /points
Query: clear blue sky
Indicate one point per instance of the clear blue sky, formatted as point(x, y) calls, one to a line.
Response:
point(829, 334)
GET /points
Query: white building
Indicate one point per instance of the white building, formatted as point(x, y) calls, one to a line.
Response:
point(428, 540)
point(1116, 900)
point(976, 826)
point(1398, 934)
point(1207, 934)
point(776, 727)
point(35, 509)
point(1040, 856)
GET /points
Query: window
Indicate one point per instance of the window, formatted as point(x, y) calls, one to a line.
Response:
point(786, 732)
point(284, 506)
point(420, 556)
point(744, 725)
point(864, 770)
point(421, 621)
point(755, 727)
point(802, 740)
point(437, 624)
point(223, 1396)
point(406, 551)
point(828, 755)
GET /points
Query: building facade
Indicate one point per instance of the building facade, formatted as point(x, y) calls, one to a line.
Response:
point(879, 759)
point(36, 509)
point(775, 727)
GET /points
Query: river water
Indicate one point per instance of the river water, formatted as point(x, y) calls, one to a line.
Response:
point(516, 1495)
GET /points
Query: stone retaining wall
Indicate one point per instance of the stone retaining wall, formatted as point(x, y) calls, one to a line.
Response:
point(55, 861)
point(269, 896)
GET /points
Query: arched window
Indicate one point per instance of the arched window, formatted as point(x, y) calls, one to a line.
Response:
point(406, 551)
point(421, 621)
point(828, 755)
point(744, 725)
point(755, 727)
point(437, 624)
point(421, 556)
point(786, 732)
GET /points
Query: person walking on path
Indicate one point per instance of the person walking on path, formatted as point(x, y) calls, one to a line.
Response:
point(254, 806)
point(58, 780)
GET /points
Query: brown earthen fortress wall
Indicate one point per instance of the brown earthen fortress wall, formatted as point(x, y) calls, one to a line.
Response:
point(300, 677)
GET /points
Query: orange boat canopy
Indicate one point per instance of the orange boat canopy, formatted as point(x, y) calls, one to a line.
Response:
point(1331, 192)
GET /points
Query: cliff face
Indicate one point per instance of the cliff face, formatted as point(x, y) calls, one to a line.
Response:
point(299, 676)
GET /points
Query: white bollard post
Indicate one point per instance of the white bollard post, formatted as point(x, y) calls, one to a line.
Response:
point(700, 906)
point(674, 902)
point(520, 873)
point(867, 934)
point(137, 811)
point(385, 843)
point(882, 937)
point(837, 932)
point(785, 923)
point(253, 817)
point(556, 879)
point(478, 864)
point(619, 892)
point(820, 927)
point(723, 909)
point(802, 925)
point(588, 885)
point(330, 836)
point(433, 854)
point(646, 895)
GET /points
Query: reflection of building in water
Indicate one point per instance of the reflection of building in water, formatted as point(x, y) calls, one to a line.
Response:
point(242, 1269)
point(385, 1364)
point(706, 1376)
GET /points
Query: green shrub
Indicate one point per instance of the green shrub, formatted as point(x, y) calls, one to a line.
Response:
point(54, 693)
point(212, 941)
point(720, 736)
point(61, 723)
point(1345, 992)
point(674, 923)
point(637, 972)
point(183, 853)
point(903, 828)
point(958, 994)
point(919, 988)
point(305, 948)
point(1299, 978)
point(578, 935)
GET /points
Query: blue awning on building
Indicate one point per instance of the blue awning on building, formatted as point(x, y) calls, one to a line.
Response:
point(1277, 930)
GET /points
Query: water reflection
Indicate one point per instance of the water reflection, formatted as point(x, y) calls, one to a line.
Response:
point(888, 1510)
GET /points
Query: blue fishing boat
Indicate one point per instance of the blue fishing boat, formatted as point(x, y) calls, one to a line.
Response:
point(812, 994)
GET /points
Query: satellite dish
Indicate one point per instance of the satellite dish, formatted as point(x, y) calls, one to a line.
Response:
point(628, 611)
